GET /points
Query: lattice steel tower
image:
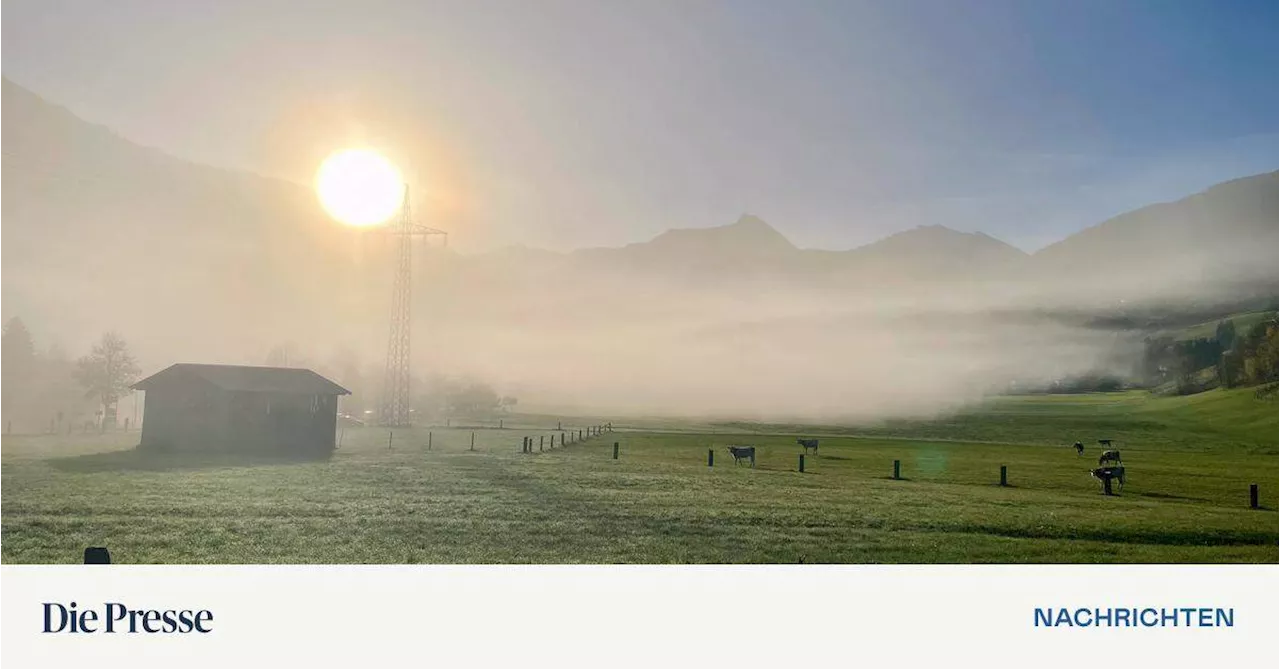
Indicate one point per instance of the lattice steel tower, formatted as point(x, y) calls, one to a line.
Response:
point(396, 398)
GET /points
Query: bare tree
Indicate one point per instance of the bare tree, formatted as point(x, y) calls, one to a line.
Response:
point(107, 372)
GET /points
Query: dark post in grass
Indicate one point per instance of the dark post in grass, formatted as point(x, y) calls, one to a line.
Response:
point(558, 425)
point(1253, 495)
point(473, 441)
point(802, 463)
point(711, 457)
point(1004, 475)
point(542, 438)
point(615, 450)
point(389, 436)
point(428, 441)
point(499, 423)
point(897, 469)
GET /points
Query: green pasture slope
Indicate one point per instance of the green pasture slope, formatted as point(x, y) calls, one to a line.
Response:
point(1190, 461)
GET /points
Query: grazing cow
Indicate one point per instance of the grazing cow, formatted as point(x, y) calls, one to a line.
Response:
point(741, 453)
point(1079, 448)
point(1109, 456)
point(808, 444)
point(1107, 475)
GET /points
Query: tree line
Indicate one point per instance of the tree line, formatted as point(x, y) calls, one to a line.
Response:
point(46, 391)
point(435, 397)
point(1229, 359)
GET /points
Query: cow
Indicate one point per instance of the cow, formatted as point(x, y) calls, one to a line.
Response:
point(1079, 448)
point(1109, 456)
point(1107, 475)
point(741, 453)
point(808, 444)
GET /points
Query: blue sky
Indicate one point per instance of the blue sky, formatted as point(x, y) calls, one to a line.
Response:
point(565, 124)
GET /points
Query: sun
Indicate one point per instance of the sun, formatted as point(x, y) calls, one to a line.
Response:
point(359, 187)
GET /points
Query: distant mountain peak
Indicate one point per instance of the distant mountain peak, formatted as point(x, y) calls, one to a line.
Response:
point(748, 234)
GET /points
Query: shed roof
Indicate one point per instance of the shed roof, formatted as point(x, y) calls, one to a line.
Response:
point(244, 378)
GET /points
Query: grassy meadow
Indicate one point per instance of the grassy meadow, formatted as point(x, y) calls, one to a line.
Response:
point(1189, 463)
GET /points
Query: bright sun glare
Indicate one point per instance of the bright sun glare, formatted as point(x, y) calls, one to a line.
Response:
point(359, 187)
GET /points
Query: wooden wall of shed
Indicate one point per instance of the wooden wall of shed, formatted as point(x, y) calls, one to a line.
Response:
point(283, 423)
point(185, 417)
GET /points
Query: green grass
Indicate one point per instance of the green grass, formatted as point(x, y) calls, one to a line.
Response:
point(1189, 461)
point(1244, 322)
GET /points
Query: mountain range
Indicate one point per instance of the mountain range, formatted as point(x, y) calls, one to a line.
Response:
point(207, 264)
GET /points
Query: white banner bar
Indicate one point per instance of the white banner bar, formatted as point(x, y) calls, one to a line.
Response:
point(730, 616)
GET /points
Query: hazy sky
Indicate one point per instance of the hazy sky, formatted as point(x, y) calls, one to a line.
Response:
point(567, 124)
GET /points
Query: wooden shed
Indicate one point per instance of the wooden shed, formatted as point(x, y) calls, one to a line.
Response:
point(278, 410)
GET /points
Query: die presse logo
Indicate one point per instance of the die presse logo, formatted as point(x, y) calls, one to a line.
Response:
point(116, 618)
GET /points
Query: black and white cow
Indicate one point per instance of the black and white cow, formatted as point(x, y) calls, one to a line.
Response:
point(741, 453)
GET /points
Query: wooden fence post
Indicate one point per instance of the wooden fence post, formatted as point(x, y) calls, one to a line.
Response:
point(1004, 475)
point(473, 441)
point(1253, 495)
point(897, 469)
point(558, 425)
point(428, 441)
point(389, 436)
point(615, 450)
point(499, 423)
point(802, 463)
point(711, 457)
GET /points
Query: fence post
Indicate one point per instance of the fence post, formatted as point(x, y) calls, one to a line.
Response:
point(1004, 475)
point(473, 441)
point(802, 463)
point(542, 438)
point(428, 441)
point(557, 425)
point(1253, 495)
point(615, 450)
point(389, 436)
point(579, 435)
point(711, 457)
point(897, 469)
point(499, 423)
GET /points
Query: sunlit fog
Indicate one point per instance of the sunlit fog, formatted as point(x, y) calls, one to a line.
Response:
point(661, 208)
